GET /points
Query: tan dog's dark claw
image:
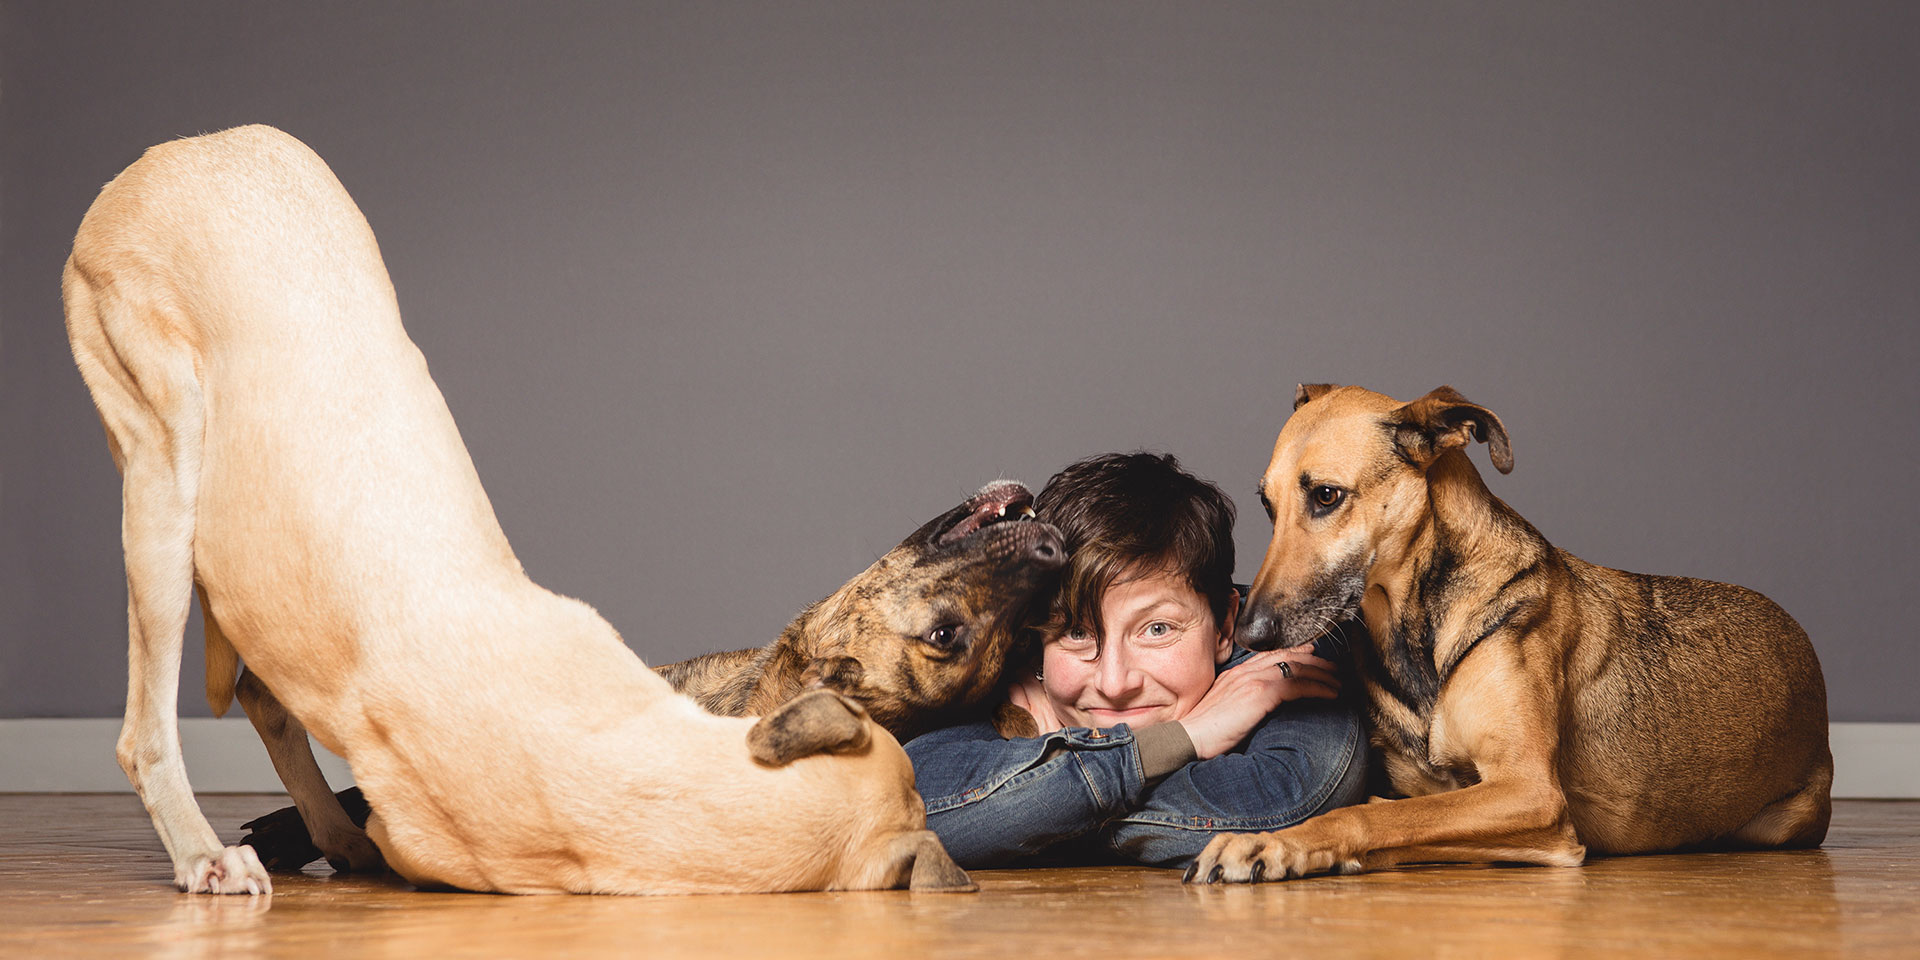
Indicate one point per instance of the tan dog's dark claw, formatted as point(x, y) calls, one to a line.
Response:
point(1530, 707)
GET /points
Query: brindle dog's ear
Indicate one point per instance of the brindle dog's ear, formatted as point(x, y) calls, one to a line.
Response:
point(818, 721)
point(1302, 393)
point(1442, 420)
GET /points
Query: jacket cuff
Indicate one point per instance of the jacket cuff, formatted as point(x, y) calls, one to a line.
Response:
point(1164, 748)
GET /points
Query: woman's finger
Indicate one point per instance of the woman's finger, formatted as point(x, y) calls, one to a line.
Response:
point(1304, 672)
point(1301, 687)
point(1302, 656)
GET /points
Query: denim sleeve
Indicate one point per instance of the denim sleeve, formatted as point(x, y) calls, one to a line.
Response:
point(1306, 757)
point(993, 800)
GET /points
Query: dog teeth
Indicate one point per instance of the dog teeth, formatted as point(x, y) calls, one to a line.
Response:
point(1026, 512)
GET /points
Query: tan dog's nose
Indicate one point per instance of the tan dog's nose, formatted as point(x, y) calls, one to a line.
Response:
point(1259, 626)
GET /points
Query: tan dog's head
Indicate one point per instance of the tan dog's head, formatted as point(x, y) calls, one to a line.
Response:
point(1347, 489)
point(929, 626)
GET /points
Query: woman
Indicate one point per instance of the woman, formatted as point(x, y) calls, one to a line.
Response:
point(1155, 731)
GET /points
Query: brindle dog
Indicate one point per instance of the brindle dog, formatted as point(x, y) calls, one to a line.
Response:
point(1531, 706)
point(918, 639)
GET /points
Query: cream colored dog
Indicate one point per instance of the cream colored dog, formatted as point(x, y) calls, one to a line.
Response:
point(285, 452)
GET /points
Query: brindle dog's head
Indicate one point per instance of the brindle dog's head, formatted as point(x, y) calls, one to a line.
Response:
point(927, 629)
point(1347, 490)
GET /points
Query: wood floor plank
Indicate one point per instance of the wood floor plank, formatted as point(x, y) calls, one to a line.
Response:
point(85, 875)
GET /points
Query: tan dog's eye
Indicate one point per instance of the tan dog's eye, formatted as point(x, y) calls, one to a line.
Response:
point(1324, 498)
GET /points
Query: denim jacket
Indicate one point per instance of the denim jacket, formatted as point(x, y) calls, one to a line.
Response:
point(1081, 794)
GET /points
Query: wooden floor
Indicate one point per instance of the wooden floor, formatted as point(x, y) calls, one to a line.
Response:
point(85, 875)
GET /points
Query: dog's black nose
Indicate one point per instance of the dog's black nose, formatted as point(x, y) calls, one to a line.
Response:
point(1047, 549)
point(1258, 629)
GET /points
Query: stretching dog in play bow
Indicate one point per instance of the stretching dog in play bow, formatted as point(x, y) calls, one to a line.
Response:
point(1532, 707)
point(285, 453)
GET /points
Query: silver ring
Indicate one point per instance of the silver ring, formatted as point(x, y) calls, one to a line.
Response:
point(1286, 669)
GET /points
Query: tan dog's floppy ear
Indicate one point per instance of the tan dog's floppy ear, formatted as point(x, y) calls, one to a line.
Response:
point(1309, 391)
point(1443, 420)
point(818, 721)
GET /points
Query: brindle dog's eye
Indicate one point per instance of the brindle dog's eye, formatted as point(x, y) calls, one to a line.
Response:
point(1325, 498)
point(942, 636)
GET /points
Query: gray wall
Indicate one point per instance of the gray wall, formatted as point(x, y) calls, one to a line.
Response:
point(727, 298)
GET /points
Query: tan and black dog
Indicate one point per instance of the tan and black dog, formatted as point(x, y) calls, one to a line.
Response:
point(1530, 707)
point(918, 639)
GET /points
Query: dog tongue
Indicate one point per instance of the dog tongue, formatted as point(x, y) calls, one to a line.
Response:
point(981, 516)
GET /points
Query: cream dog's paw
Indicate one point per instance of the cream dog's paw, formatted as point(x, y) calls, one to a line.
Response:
point(232, 870)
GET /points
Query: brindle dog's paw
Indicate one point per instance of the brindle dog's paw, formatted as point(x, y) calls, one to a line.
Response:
point(818, 721)
point(1262, 857)
point(1014, 722)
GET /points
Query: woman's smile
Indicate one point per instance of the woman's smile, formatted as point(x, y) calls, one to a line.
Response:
point(1108, 716)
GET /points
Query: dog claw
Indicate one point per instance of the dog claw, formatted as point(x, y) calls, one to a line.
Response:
point(1213, 876)
point(1192, 869)
point(1259, 873)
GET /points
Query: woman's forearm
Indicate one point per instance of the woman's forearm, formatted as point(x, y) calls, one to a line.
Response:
point(1308, 757)
point(993, 801)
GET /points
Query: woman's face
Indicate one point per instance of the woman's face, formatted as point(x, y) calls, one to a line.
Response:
point(1151, 661)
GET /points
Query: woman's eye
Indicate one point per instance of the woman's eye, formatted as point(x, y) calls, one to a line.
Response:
point(1326, 497)
point(1159, 629)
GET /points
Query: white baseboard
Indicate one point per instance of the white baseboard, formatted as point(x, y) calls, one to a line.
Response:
point(1871, 760)
point(76, 756)
point(1875, 761)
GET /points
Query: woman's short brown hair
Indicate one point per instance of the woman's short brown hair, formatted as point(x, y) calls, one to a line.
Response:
point(1130, 514)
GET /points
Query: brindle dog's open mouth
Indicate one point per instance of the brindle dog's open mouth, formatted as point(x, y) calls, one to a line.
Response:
point(997, 526)
point(1002, 502)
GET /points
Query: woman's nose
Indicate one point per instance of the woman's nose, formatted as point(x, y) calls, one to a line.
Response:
point(1117, 679)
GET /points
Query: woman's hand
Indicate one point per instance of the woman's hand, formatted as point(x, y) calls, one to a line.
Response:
point(1030, 696)
point(1241, 697)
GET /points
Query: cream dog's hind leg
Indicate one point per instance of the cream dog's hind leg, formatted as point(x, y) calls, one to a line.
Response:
point(150, 402)
point(344, 845)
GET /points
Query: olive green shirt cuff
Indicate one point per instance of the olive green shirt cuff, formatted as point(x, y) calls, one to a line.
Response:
point(1164, 748)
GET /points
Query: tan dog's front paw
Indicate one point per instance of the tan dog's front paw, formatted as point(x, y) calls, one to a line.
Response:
point(232, 870)
point(1262, 857)
point(351, 853)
